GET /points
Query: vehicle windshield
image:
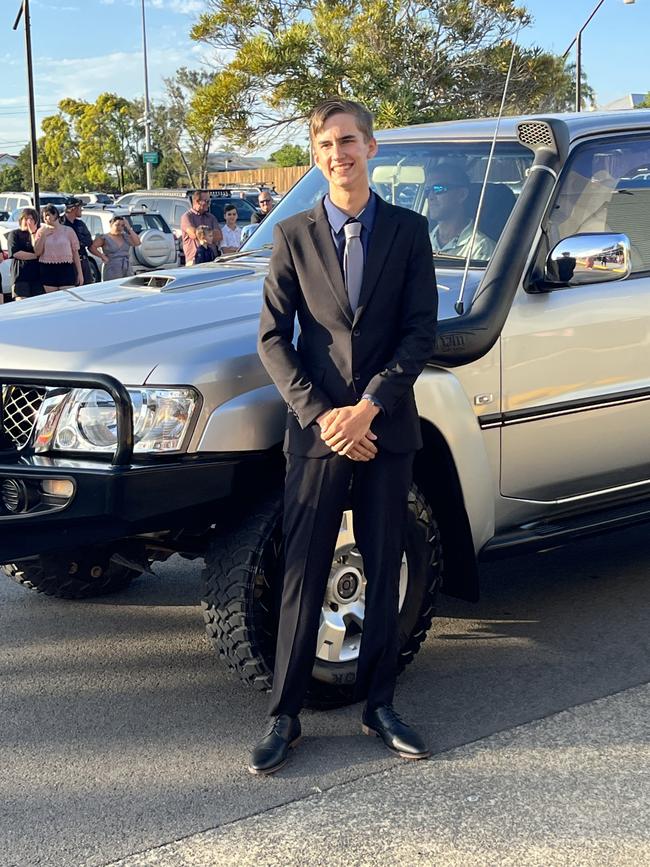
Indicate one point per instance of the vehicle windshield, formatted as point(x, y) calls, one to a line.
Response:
point(244, 208)
point(441, 180)
point(52, 200)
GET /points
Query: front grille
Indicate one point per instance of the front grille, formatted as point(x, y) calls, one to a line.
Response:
point(20, 408)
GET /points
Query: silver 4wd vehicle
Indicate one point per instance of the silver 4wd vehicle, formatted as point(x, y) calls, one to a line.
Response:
point(138, 421)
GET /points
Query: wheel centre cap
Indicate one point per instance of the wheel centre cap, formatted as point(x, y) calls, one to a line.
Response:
point(345, 585)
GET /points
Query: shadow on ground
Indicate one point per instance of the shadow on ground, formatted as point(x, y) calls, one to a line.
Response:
point(123, 731)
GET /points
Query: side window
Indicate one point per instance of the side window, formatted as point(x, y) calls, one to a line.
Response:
point(606, 188)
point(179, 210)
point(94, 225)
point(165, 207)
point(12, 203)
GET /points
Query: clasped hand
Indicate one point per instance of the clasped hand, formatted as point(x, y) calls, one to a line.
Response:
point(346, 430)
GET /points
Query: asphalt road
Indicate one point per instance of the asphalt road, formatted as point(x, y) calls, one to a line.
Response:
point(121, 731)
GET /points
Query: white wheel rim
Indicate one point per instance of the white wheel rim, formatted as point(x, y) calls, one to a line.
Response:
point(343, 611)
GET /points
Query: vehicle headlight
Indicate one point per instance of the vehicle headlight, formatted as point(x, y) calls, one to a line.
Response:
point(85, 420)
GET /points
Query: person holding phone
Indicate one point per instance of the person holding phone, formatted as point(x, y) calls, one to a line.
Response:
point(114, 249)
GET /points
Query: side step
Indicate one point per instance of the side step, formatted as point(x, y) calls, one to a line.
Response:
point(552, 533)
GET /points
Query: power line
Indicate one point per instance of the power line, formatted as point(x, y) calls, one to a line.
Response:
point(4, 113)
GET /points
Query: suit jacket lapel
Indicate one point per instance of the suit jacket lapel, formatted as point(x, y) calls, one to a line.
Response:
point(380, 243)
point(321, 236)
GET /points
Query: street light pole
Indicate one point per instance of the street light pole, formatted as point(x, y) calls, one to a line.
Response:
point(23, 12)
point(147, 119)
point(578, 44)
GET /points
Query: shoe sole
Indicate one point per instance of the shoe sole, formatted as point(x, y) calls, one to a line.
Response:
point(266, 772)
point(413, 756)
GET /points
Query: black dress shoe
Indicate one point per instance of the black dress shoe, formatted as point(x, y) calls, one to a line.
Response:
point(384, 723)
point(272, 751)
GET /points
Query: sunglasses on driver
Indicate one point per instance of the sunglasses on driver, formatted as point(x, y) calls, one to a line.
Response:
point(439, 189)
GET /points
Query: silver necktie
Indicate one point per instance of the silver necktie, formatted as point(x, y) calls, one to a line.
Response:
point(353, 262)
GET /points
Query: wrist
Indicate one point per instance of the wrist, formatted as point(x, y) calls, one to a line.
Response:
point(369, 406)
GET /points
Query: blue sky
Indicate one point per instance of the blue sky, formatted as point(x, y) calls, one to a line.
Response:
point(84, 47)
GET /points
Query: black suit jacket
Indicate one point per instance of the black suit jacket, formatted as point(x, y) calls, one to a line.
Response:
point(380, 349)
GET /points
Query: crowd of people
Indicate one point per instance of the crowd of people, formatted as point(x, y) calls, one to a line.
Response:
point(204, 239)
point(51, 255)
point(51, 251)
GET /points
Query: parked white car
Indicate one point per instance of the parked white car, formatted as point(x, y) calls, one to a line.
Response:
point(5, 262)
point(12, 201)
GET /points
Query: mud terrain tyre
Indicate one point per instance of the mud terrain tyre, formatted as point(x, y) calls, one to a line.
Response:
point(242, 574)
point(71, 575)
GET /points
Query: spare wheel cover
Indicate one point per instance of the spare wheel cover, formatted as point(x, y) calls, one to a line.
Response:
point(156, 248)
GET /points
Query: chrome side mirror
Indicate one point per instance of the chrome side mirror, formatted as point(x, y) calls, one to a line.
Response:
point(594, 257)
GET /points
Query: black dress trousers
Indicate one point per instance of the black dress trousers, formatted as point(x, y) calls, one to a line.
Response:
point(317, 492)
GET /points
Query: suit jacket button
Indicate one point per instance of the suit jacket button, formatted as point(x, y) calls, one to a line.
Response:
point(357, 376)
point(356, 333)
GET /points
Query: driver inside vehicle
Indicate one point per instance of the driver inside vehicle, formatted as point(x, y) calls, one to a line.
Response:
point(449, 211)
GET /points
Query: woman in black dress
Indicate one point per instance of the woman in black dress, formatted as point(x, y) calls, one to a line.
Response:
point(25, 273)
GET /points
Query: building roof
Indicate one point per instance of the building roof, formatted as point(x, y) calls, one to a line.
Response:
point(630, 100)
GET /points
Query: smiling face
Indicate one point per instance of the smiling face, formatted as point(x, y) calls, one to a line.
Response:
point(341, 152)
point(231, 218)
point(50, 219)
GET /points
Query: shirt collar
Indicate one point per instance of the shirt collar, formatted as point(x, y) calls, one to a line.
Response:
point(338, 218)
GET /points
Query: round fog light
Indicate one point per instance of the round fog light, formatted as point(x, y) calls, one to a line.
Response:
point(13, 494)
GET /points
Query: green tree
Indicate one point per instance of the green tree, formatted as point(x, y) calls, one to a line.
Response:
point(409, 61)
point(92, 145)
point(11, 178)
point(25, 166)
point(191, 129)
point(290, 155)
point(59, 165)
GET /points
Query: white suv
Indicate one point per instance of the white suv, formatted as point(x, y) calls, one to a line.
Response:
point(157, 244)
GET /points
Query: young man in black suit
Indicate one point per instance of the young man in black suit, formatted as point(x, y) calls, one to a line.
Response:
point(358, 274)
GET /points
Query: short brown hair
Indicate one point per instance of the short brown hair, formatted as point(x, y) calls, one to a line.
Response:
point(196, 195)
point(322, 113)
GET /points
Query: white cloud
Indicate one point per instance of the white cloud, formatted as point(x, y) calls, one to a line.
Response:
point(179, 7)
point(117, 72)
